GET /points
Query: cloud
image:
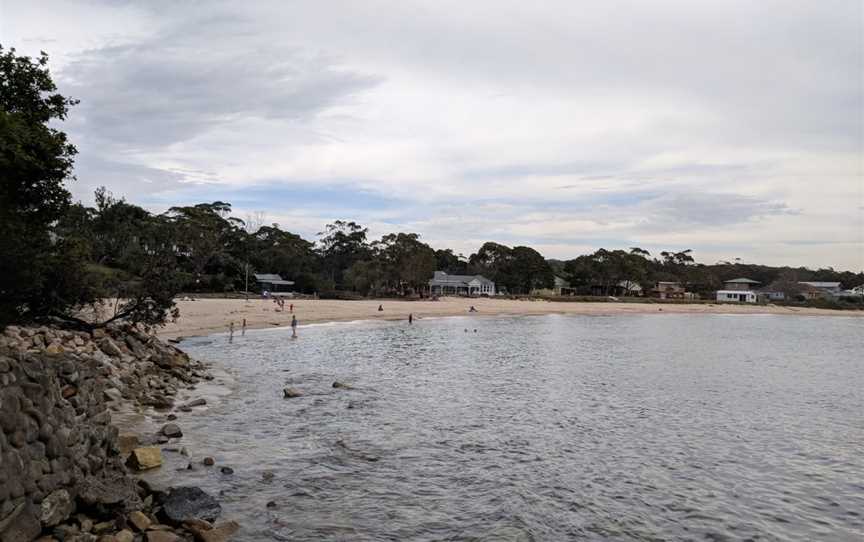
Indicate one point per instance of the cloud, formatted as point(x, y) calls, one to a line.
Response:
point(199, 75)
point(731, 127)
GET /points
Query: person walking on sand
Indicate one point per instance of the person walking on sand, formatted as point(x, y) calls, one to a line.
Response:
point(291, 308)
point(294, 325)
point(410, 318)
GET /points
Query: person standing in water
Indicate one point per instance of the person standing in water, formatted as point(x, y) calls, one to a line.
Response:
point(410, 318)
point(294, 325)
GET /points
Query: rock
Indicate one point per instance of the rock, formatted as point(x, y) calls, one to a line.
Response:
point(124, 536)
point(20, 524)
point(342, 385)
point(54, 349)
point(111, 492)
point(196, 402)
point(109, 347)
point(144, 458)
point(127, 442)
point(139, 520)
point(290, 393)
point(267, 476)
point(55, 508)
point(103, 526)
point(188, 503)
point(113, 394)
point(209, 461)
point(162, 536)
point(68, 391)
point(219, 533)
point(197, 525)
point(226, 470)
point(86, 523)
point(271, 504)
point(172, 430)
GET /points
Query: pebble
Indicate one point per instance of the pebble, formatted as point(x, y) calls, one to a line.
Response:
point(226, 470)
point(209, 461)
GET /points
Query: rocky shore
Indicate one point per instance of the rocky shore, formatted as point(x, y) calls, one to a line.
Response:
point(67, 473)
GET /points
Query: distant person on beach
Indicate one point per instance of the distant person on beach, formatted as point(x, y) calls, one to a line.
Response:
point(472, 309)
point(291, 308)
point(294, 326)
point(380, 308)
point(410, 318)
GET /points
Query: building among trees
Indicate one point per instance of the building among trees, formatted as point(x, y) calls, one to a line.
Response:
point(442, 284)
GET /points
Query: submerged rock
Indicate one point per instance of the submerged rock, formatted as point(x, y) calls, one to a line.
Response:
point(290, 393)
point(172, 430)
point(342, 385)
point(190, 503)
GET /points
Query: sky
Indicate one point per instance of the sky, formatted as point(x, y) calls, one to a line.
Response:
point(734, 128)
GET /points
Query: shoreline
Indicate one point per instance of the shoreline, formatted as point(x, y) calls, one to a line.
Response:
point(208, 316)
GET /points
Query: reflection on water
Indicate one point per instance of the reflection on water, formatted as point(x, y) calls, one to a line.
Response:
point(540, 428)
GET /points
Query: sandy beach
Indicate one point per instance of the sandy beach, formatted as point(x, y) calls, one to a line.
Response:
point(206, 316)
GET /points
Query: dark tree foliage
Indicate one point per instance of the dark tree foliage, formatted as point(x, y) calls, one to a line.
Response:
point(35, 160)
point(342, 244)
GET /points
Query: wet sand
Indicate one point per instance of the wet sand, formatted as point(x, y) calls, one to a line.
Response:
point(206, 316)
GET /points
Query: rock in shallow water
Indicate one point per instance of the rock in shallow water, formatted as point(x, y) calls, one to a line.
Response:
point(145, 458)
point(290, 393)
point(190, 503)
point(172, 430)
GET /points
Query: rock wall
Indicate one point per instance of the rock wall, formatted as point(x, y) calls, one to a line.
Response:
point(58, 449)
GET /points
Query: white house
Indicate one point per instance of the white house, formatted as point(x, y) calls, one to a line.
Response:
point(737, 296)
point(442, 284)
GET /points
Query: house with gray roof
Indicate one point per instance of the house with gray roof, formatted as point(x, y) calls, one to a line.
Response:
point(738, 291)
point(443, 284)
point(272, 283)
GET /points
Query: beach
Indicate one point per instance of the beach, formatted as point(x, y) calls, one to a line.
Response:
point(206, 316)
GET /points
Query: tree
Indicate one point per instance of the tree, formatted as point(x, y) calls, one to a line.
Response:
point(37, 274)
point(449, 262)
point(528, 270)
point(407, 261)
point(341, 244)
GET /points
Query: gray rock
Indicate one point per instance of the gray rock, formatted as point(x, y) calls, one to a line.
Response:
point(190, 503)
point(113, 394)
point(290, 393)
point(172, 430)
point(20, 524)
point(56, 507)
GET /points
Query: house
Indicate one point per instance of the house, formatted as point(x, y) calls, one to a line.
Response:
point(629, 287)
point(559, 287)
point(740, 284)
point(272, 283)
point(442, 284)
point(737, 296)
point(669, 290)
point(739, 291)
point(818, 290)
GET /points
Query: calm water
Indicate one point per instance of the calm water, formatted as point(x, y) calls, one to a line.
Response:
point(660, 427)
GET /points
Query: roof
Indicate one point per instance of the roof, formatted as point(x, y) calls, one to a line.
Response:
point(741, 281)
point(821, 284)
point(271, 278)
point(443, 279)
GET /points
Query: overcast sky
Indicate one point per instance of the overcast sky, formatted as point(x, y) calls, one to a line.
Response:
point(735, 128)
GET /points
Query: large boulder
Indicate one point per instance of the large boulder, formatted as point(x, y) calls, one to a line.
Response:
point(22, 524)
point(190, 503)
point(56, 507)
point(146, 457)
